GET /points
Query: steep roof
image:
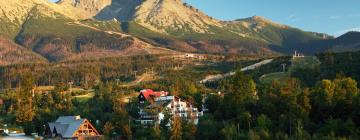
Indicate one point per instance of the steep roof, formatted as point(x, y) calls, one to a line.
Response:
point(66, 125)
point(149, 94)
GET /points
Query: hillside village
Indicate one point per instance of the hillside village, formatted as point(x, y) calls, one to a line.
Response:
point(175, 103)
point(154, 106)
point(165, 70)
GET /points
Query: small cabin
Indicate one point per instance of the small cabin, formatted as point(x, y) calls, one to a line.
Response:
point(72, 128)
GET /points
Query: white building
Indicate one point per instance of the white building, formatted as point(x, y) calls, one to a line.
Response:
point(189, 55)
point(175, 106)
point(297, 55)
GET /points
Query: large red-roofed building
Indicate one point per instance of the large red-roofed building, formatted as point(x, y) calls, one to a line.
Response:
point(148, 95)
point(158, 102)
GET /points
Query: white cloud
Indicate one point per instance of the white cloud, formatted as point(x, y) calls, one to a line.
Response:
point(339, 33)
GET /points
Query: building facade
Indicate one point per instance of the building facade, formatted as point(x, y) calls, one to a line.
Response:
point(72, 128)
point(155, 111)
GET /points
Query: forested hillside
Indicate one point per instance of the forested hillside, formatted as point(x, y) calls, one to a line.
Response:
point(246, 108)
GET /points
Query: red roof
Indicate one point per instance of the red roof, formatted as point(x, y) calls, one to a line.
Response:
point(149, 94)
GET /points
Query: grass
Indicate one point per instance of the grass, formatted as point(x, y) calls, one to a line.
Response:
point(216, 33)
point(68, 29)
point(280, 38)
point(145, 34)
point(45, 88)
point(61, 26)
point(110, 25)
point(83, 98)
point(305, 62)
point(277, 76)
point(8, 29)
point(224, 67)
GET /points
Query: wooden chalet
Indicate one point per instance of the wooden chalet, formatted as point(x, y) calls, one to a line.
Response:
point(72, 128)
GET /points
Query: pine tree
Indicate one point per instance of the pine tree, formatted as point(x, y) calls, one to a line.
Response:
point(25, 112)
point(176, 133)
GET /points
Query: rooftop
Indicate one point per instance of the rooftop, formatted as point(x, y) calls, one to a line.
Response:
point(66, 125)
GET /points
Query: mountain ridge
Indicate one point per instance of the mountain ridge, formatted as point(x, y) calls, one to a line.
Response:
point(346, 42)
point(71, 30)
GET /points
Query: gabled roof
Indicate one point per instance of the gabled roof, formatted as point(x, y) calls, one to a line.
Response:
point(149, 94)
point(66, 125)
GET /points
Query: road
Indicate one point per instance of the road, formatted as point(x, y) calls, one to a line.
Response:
point(96, 29)
point(212, 78)
point(142, 78)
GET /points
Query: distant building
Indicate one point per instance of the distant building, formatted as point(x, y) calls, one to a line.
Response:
point(195, 56)
point(72, 128)
point(297, 55)
point(148, 95)
point(189, 55)
point(155, 111)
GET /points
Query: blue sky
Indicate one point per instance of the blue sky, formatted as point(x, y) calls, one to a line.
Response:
point(327, 16)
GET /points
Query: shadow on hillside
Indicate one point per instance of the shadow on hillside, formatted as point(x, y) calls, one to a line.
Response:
point(122, 10)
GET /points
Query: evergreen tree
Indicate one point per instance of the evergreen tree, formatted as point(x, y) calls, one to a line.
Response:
point(25, 112)
point(230, 132)
point(176, 133)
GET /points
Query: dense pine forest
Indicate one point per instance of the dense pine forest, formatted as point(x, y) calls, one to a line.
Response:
point(319, 101)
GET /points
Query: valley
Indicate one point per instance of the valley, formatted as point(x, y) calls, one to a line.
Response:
point(164, 69)
point(48, 30)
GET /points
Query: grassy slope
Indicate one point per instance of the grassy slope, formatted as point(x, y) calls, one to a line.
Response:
point(8, 29)
point(281, 38)
point(110, 25)
point(287, 36)
point(12, 53)
point(220, 37)
point(278, 38)
point(306, 62)
point(47, 26)
point(277, 76)
point(61, 38)
point(144, 33)
point(310, 62)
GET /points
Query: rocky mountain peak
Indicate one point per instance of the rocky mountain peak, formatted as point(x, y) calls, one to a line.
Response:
point(87, 8)
point(258, 22)
point(17, 10)
point(173, 15)
point(157, 15)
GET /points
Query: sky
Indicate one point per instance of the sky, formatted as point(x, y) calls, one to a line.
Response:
point(333, 17)
point(326, 16)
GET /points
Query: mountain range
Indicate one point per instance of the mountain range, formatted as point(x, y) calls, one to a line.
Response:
point(41, 31)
